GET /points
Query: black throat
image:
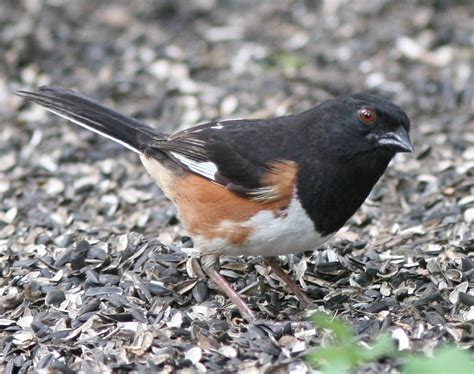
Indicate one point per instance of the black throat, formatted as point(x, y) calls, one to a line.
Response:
point(331, 191)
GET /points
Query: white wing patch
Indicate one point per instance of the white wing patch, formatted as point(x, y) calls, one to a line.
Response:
point(206, 169)
point(217, 126)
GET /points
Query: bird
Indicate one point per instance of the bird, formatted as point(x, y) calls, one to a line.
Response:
point(257, 187)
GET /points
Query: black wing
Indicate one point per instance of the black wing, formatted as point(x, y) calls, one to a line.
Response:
point(245, 156)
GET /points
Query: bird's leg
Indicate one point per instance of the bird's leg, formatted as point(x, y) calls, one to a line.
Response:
point(210, 265)
point(302, 297)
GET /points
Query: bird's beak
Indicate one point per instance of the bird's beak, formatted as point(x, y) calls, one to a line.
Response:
point(398, 140)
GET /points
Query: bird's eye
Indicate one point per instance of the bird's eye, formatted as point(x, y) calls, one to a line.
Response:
point(367, 115)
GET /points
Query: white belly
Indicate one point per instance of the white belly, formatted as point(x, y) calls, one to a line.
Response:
point(271, 235)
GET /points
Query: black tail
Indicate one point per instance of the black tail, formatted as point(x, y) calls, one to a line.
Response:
point(87, 113)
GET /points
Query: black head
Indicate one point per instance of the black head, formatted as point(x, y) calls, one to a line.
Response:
point(362, 123)
point(354, 138)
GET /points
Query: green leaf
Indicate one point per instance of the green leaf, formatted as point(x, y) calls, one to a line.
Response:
point(446, 360)
point(382, 347)
point(346, 354)
point(342, 333)
point(290, 61)
point(331, 357)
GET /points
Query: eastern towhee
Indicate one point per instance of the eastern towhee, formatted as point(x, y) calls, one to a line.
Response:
point(258, 187)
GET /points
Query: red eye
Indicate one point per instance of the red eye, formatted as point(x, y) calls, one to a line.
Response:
point(367, 115)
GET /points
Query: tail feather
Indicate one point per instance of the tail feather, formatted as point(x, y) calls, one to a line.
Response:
point(93, 116)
